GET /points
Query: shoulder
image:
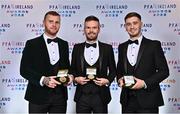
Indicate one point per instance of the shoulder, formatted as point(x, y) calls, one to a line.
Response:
point(62, 41)
point(35, 40)
point(79, 44)
point(152, 42)
point(123, 44)
point(105, 45)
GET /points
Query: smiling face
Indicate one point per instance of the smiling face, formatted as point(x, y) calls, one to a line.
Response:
point(91, 30)
point(133, 26)
point(52, 25)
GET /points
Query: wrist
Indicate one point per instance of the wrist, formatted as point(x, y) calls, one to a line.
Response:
point(46, 81)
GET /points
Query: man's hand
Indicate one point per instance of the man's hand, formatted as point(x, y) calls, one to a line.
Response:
point(139, 84)
point(50, 82)
point(71, 78)
point(101, 81)
point(121, 82)
point(81, 80)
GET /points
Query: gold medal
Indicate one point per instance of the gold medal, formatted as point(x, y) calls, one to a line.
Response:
point(91, 77)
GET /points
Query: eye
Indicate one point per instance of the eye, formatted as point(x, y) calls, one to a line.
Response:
point(57, 22)
point(50, 21)
point(135, 23)
point(128, 24)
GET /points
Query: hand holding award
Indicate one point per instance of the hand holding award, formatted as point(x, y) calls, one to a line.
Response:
point(91, 73)
point(62, 76)
point(128, 81)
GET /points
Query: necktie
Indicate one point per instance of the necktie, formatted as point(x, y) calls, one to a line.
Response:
point(52, 40)
point(135, 41)
point(93, 45)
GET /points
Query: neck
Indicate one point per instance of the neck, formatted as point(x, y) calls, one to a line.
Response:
point(50, 35)
point(91, 41)
point(135, 37)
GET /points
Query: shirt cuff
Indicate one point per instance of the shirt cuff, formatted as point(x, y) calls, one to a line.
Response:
point(107, 85)
point(41, 80)
point(145, 86)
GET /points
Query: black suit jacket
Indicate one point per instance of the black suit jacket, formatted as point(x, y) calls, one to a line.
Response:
point(106, 62)
point(35, 63)
point(151, 66)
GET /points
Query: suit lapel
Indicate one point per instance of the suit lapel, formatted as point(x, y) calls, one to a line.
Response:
point(81, 54)
point(101, 53)
point(125, 57)
point(44, 50)
point(60, 45)
point(141, 49)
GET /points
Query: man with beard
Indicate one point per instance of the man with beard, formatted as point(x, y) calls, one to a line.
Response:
point(42, 58)
point(93, 68)
point(141, 67)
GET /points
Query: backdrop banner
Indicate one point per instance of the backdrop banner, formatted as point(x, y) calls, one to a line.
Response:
point(21, 20)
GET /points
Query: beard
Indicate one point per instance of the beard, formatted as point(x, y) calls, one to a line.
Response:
point(133, 35)
point(50, 32)
point(91, 36)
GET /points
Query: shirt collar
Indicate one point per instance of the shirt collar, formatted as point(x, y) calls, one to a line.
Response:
point(93, 42)
point(47, 37)
point(139, 39)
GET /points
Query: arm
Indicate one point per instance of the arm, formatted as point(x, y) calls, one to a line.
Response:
point(26, 67)
point(162, 70)
point(74, 67)
point(112, 66)
point(66, 63)
point(120, 64)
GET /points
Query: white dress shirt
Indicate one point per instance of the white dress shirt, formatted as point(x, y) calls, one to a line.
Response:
point(132, 51)
point(91, 54)
point(53, 51)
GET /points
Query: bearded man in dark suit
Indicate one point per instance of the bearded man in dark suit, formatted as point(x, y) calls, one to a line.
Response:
point(93, 68)
point(42, 58)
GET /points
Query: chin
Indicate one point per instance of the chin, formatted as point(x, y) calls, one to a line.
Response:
point(133, 35)
point(91, 39)
point(53, 33)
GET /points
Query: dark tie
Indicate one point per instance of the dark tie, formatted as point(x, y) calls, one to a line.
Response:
point(52, 40)
point(135, 41)
point(93, 45)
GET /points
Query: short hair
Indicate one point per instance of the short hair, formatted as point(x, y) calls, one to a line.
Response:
point(54, 13)
point(91, 18)
point(132, 14)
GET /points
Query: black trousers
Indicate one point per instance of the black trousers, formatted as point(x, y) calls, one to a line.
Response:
point(55, 104)
point(47, 108)
point(91, 103)
point(133, 107)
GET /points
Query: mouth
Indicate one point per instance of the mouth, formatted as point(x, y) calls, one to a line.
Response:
point(91, 33)
point(133, 31)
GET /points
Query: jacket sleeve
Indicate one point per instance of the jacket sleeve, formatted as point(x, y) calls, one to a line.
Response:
point(120, 63)
point(112, 65)
point(162, 70)
point(26, 65)
point(73, 62)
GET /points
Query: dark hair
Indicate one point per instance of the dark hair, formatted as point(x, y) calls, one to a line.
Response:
point(54, 13)
point(91, 18)
point(132, 14)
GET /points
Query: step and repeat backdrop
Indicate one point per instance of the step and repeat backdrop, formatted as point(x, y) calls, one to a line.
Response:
point(21, 20)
